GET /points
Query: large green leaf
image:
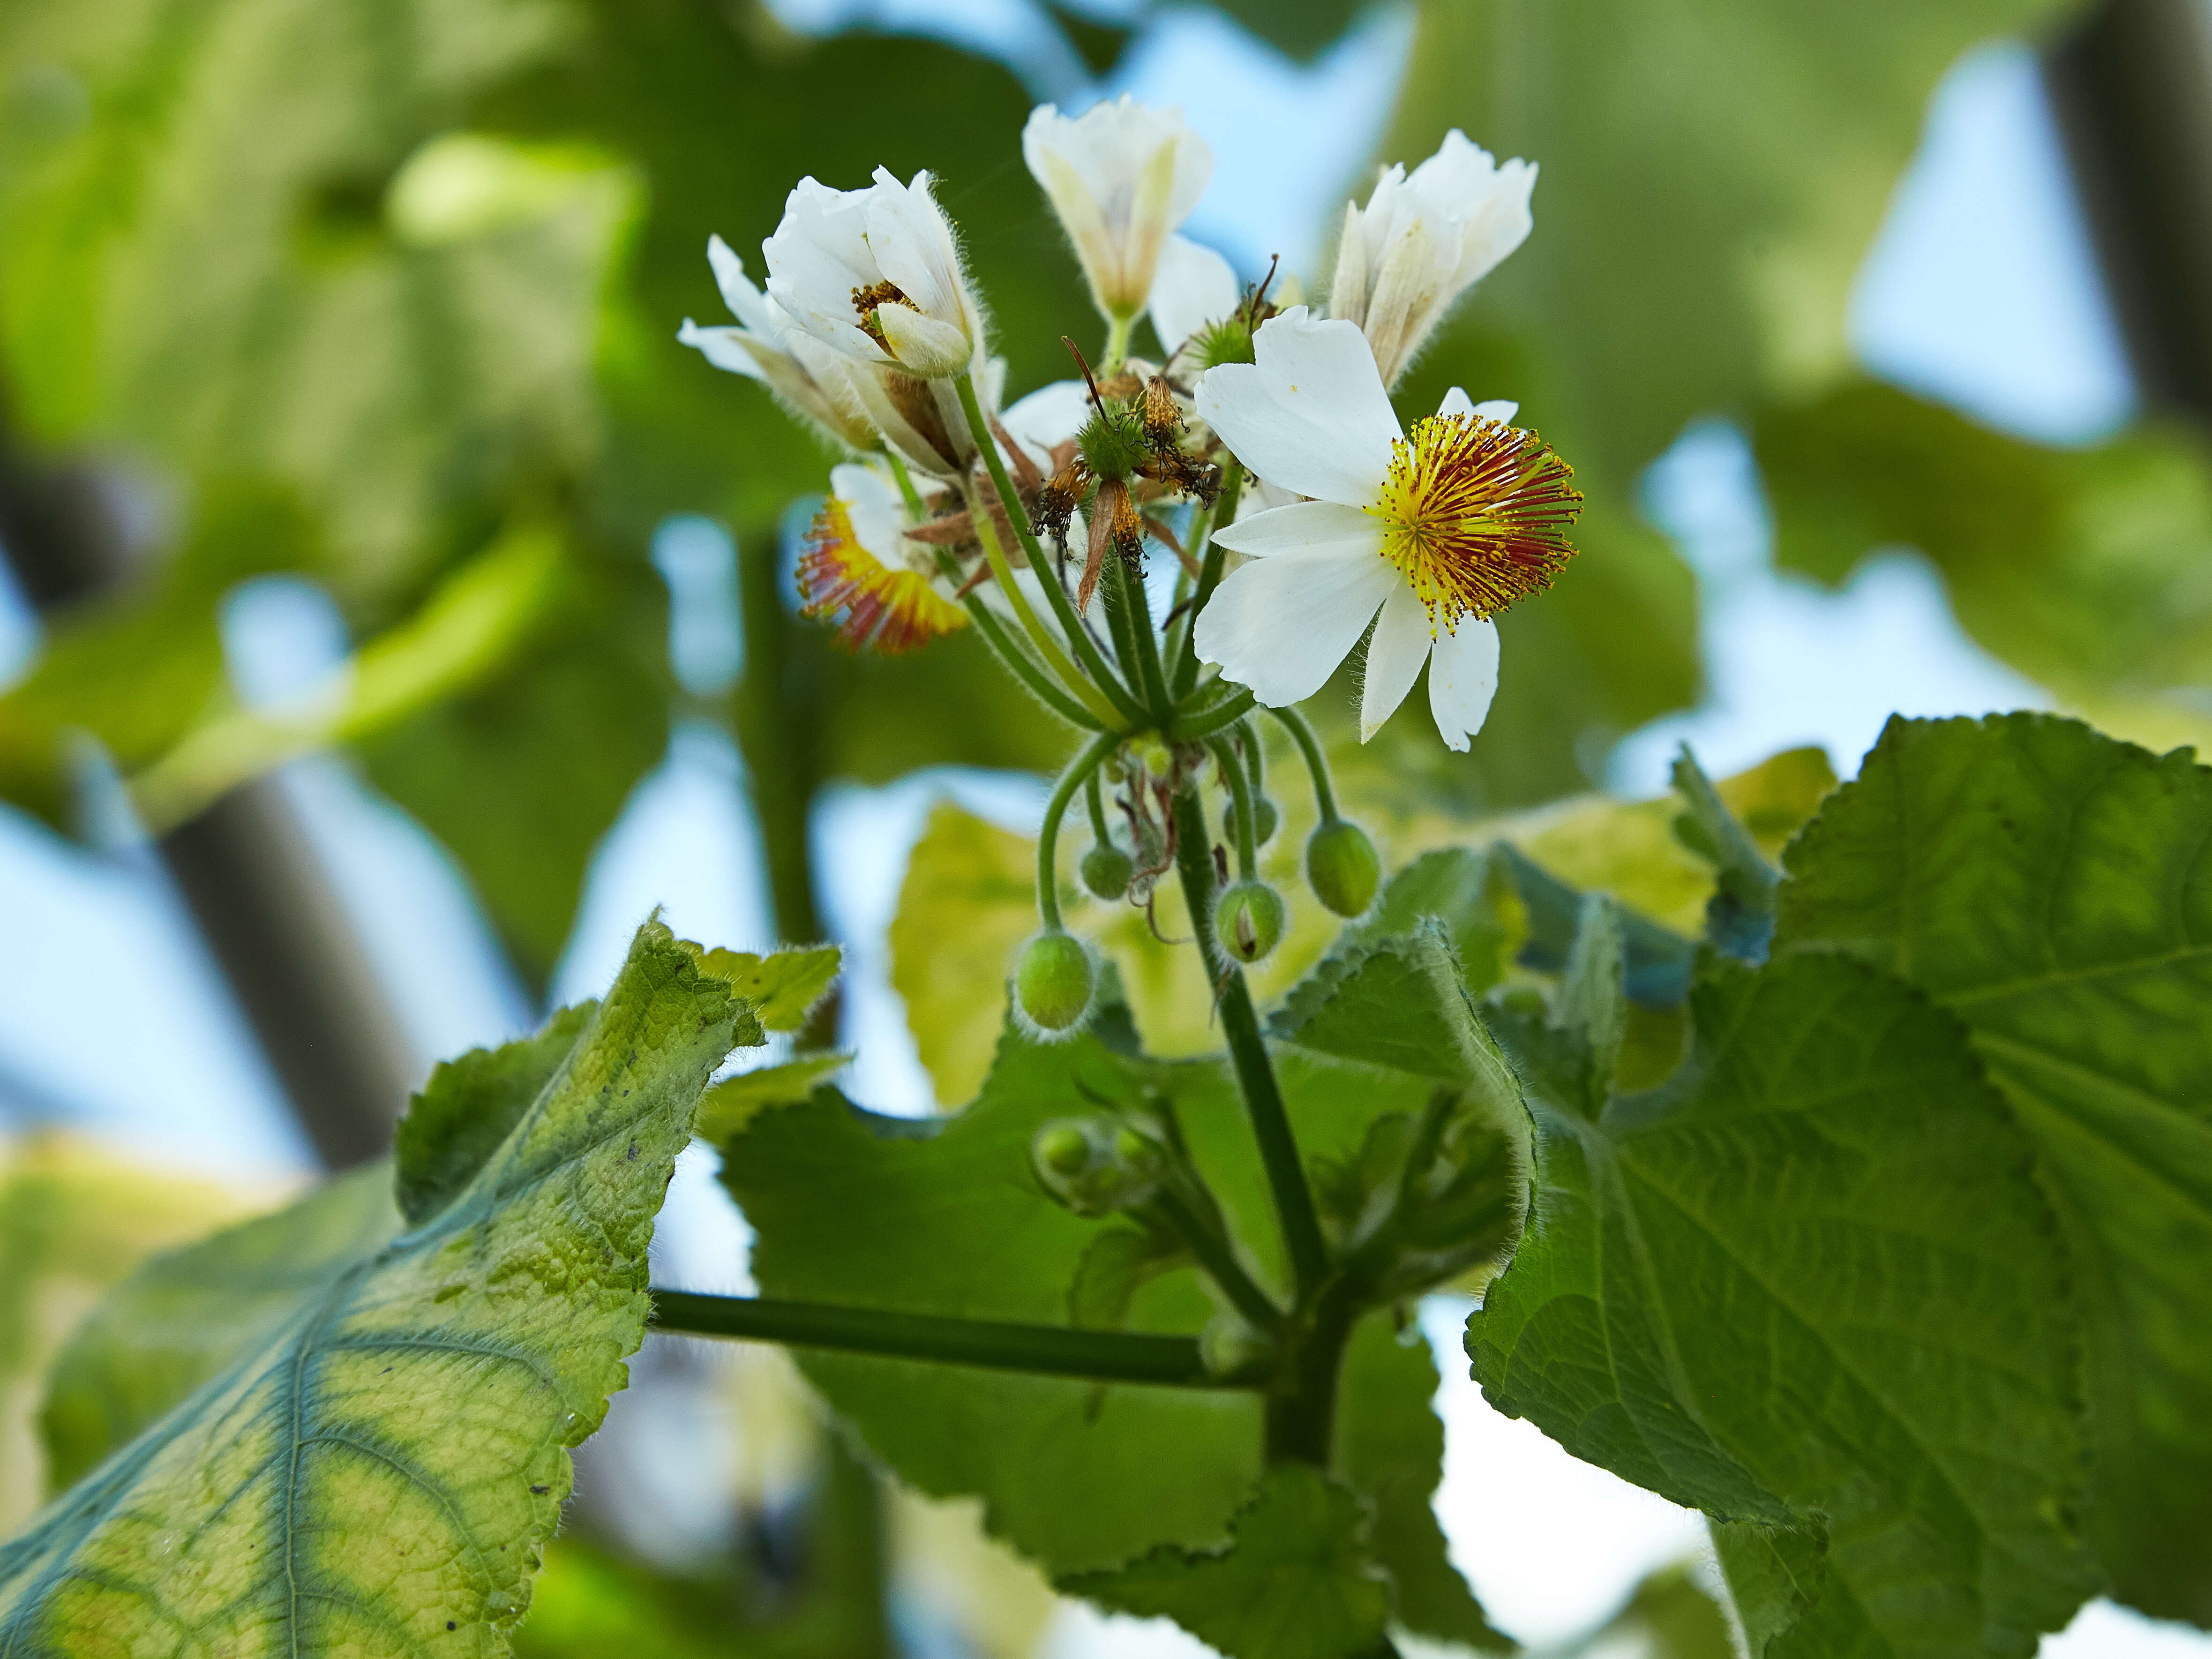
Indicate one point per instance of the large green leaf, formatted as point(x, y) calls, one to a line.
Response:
point(368, 1442)
point(2084, 568)
point(2050, 887)
point(1807, 1281)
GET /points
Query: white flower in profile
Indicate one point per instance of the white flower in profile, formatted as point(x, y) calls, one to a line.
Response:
point(1438, 529)
point(811, 378)
point(876, 274)
point(1120, 176)
point(859, 567)
point(1423, 241)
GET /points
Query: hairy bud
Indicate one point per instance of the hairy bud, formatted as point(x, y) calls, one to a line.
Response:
point(1248, 919)
point(1052, 983)
point(1265, 819)
point(1342, 868)
point(1097, 1165)
point(1108, 871)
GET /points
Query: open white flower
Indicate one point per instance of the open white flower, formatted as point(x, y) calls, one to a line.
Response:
point(1423, 241)
point(813, 380)
point(859, 567)
point(876, 274)
point(1438, 528)
point(1122, 175)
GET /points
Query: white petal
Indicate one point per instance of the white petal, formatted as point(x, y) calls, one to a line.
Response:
point(1462, 679)
point(1193, 287)
point(1305, 527)
point(746, 302)
point(1395, 657)
point(1282, 625)
point(1456, 402)
point(1500, 409)
point(930, 348)
point(725, 347)
point(873, 507)
point(1310, 414)
point(1051, 414)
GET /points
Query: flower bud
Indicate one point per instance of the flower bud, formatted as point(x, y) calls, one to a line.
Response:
point(1264, 820)
point(1052, 983)
point(1062, 1149)
point(1107, 871)
point(1342, 868)
point(1098, 1165)
point(1248, 919)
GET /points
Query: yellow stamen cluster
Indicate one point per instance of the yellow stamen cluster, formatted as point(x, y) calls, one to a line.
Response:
point(893, 610)
point(1475, 515)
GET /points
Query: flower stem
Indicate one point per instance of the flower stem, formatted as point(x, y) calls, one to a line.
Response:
point(1071, 624)
point(1018, 663)
point(1050, 1350)
point(1099, 831)
point(1118, 330)
point(1207, 721)
point(1247, 1054)
point(1126, 590)
point(1316, 762)
point(1084, 766)
point(1209, 577)
point(1048, 648)
point(916, 512)
point(1240, 789)
point(1212, 1248)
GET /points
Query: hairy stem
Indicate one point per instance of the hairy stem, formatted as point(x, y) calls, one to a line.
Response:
point(1127, 591)
point(1209, 577)
point(1063, 608)
point(992, 1345)
point(1240, 791)
point(1212, 1248)
point(1207, 721)
point(1084, 766)
point(1247, 1053)
point(987, 533)
point(1316, 762)
point(1018, 662)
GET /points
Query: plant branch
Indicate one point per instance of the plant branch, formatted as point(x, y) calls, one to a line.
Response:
point(1247, 1053)
point(1207, 721)
point(1017, 661)
point(1216, 1255)
point(1209, 577)
point(1084, 766)
point(1127, 588)
point(986, 534)
point(1316, 761)
point(1240, 790)
point(992, 1345)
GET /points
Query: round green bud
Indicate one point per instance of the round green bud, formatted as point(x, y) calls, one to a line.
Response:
point(1229, 341)
point(1342, 868)
point(1137, 1152)
point(1248, 919)
point(1156, 758)
point(1063, 1149)
point(1053, 982)
point(1108, 871)
point(1265, 817)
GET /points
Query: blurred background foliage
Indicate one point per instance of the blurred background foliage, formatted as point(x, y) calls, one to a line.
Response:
point(375, 293)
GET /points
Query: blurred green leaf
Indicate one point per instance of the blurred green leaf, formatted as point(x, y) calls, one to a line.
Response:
point(2048, 886)
point(2088, 570)
point(1672, 1616)
point(1811, 1277)
point(1300, 27)
point(730, 1104)
point(780, 986)
point(73, 1218)
point(378, 1451)
point(1293, 1580)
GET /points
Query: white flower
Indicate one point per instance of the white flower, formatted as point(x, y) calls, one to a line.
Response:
point(1120, 175)
point(859, 567)
point(1194, 288)
point(809, 377)
point(1423, 241)
point(1438, 529)
point(875, 273)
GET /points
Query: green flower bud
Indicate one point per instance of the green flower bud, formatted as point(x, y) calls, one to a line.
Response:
point(1342, 868)
point(1108, 871)
point(1053, 982)
point(1061, 1148)
point(1248, 919)
point(1264, 820)
point(1137, 1152)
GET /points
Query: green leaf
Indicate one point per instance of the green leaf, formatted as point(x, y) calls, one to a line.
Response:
point(1669, 1615)
point(1593, 1000)
point(732, 1103)
point(2083, 569)
point(1778, 1578)
point(1292, 1583)
point(1471, 893)
point(780, 986)
point(2051, 888)
point(1809, 1277)
point(380, 1454)
point(1657, 962)
point(1118, 1263)
point(1739, 918)
point(73, 1218)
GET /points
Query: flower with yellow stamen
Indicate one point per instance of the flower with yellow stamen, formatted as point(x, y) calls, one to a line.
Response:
point(1437, 530)
point(860, 568)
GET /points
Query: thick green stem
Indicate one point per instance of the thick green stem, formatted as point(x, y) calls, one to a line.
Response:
point(1209, 577)
point(1216, 1255)
point(1126, 590)
point(1316, 762)
point(1084, 766)
point(1214, 718)
point(1247, 1053)
point(992, 1345)
point(1118, 330)
point(1240, 791)
point(1099, 829)
point(986, 534)
point(1018, 662)
point(1079, 637)
point(1302, 1400)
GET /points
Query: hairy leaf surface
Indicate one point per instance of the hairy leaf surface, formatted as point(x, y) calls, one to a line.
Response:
point(2053, 888)
point(372, 1454)
point(1809, 1278)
